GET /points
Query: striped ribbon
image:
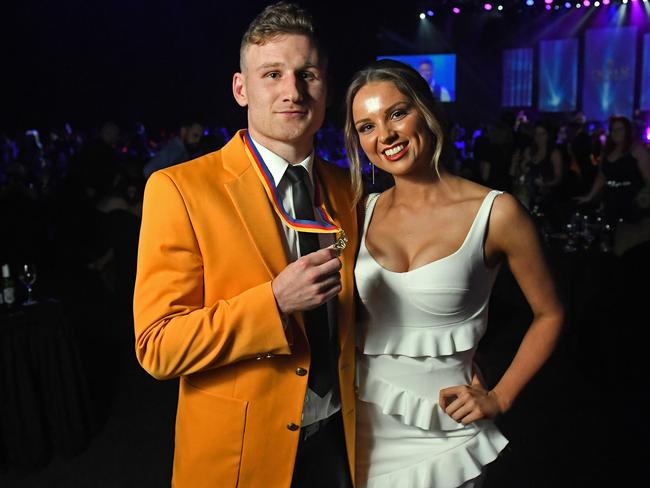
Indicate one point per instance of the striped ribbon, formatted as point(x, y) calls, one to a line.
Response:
point(325, 224)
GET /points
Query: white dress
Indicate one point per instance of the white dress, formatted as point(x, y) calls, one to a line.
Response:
point(419, 332)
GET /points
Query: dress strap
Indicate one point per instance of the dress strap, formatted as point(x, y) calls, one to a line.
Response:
point(476, 235)
point(370, 206)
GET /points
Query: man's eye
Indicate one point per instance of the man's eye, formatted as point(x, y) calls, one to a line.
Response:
point(307, 75)
point(273, 74)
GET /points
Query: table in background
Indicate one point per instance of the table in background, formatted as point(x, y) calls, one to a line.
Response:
point(44, 407)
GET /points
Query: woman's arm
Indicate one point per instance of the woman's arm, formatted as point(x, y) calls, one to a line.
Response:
point(558, 170)
point(513, 236)
point(523, 253)
point(596, 187)
point(640, 153)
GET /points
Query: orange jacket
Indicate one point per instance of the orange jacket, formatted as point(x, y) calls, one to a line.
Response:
point(204, 310)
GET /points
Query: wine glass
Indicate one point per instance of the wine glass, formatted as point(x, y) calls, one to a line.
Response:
point(28, 277)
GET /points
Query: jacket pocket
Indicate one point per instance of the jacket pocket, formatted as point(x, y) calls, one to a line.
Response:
point(209, 439)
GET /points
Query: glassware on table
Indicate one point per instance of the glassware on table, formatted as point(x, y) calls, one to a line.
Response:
point(27, 276)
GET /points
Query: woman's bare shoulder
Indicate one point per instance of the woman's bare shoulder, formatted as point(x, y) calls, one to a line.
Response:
point(469, 190)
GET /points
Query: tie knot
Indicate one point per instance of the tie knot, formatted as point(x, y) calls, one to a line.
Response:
point(296, 174)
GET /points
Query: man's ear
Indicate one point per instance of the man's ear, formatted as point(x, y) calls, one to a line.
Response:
point(239, 89)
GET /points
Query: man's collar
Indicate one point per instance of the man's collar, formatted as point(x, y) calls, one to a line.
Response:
point(278, 166)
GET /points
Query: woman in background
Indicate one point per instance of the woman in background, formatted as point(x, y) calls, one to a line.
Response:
point(624, 180)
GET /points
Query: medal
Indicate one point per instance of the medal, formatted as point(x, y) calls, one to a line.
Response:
point(325, 224)
point(341, 242)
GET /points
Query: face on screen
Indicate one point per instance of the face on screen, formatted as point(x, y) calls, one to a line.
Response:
point(426, 71)
point(439, 71)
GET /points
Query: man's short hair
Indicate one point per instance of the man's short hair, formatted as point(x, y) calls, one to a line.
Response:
point(279, 19)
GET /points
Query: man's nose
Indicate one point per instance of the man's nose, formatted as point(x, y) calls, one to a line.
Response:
point(293, 88)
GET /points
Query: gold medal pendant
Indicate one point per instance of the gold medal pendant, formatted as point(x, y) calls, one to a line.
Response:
point(341, 241)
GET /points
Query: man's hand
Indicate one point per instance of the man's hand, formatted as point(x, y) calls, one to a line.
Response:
point(308, 282)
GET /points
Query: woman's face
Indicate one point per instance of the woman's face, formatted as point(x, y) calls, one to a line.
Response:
point(391, 131)
point(541, 136)
point(617, 132)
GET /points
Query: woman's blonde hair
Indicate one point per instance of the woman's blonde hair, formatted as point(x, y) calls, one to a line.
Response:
point(409, 82)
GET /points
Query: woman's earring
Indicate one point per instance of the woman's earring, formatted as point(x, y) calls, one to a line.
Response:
point(373, 173)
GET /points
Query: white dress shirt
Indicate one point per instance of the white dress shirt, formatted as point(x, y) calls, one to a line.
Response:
point(315, 408)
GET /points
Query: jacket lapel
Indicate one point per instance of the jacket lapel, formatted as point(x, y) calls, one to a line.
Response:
point(253, 206)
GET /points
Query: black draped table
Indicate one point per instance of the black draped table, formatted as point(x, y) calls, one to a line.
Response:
point(44, 407)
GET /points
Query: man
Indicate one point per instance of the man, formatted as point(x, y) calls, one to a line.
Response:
point(180, 149)
point(426, 71)
point(229, 297)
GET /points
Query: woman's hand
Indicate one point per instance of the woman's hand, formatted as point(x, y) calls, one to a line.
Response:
point(468, 403)
point(582, 200)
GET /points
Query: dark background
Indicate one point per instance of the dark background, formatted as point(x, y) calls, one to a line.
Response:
point(580, 422)
point(160, 61)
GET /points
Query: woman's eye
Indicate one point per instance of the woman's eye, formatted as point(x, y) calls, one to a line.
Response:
point(364, 128)
point(398, 113)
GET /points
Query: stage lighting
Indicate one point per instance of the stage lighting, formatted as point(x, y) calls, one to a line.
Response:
point(430, 13)
point(455, 10)
point(586, 3)
point(556, 7)
point(647, 134)
point(423, 16)
point(606, 2)
point(578, 5)
point(500, 8)
point(624, 2)
point(487, 6)
point(596, 3)
point(567, 5)
point(530, 3)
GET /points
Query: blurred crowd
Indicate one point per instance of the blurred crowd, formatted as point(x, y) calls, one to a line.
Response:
point(598, 174)
point(71, 200)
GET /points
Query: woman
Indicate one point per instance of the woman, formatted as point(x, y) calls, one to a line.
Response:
point(624, 178)
point(540, 166)
point(424, 273)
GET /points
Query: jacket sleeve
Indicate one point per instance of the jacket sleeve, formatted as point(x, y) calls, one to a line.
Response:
point(176, 332)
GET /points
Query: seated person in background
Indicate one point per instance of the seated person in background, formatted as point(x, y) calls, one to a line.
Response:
point(180, 149)
point(426, 70)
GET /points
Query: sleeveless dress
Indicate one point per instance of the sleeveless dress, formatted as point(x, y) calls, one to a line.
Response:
point(623, 182)
point(419, 332)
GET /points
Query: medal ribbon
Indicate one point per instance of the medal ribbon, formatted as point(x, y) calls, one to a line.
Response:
point(325, 224)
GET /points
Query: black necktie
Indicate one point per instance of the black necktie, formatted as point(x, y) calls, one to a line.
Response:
point(323, 347)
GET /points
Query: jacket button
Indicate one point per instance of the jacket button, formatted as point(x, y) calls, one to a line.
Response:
point(292, 426)
point(301, 371)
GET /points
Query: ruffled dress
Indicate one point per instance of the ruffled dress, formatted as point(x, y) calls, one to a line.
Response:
point(419, 332)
